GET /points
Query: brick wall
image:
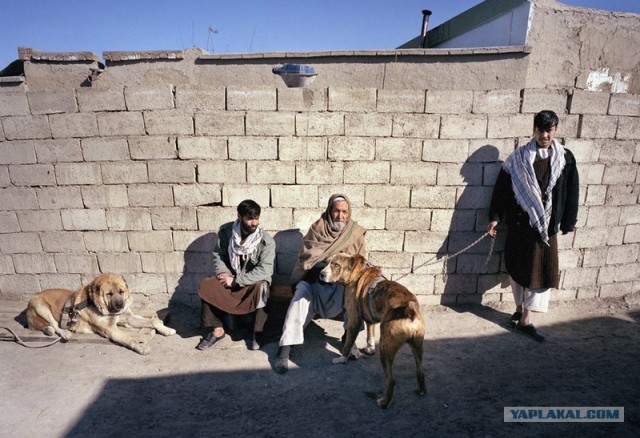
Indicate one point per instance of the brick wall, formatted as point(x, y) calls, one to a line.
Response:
point(136, 179)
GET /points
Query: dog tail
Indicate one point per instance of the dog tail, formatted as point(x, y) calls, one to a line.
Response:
point(413, 310)
point(410, 311)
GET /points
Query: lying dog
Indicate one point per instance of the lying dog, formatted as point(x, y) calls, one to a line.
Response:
point(369, 297)
point(99, 307)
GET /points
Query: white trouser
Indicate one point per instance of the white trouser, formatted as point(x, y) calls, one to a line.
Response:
point(536, 300)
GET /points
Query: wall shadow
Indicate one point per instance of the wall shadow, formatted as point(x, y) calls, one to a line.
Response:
point(589, 362)
point(471, 275)
point(184, 304)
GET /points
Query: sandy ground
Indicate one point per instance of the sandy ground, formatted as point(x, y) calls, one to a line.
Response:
point(475, 367)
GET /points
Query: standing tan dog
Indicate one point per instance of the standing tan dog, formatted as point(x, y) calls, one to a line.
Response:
point(369, 297)
point(99, 307)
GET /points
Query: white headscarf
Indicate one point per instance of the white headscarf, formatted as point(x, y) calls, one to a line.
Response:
point(525, 184)
point(240, 252)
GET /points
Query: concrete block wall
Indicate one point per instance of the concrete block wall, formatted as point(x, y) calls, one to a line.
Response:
point(137, 179)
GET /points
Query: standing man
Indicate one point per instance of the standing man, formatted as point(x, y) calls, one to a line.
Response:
point(334, 232)
point(243, 261)
point(537, 192)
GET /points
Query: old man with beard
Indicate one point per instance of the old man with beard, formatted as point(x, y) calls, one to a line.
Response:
point(334, 232)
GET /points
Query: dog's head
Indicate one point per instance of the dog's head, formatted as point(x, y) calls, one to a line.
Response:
point(110, 294)
point(341, 268)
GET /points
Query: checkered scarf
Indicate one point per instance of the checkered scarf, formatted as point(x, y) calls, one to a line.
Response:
point(240, 252)
point(525, 185)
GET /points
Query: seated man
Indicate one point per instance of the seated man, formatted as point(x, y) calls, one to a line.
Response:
point(334, 232)
point(243, 261)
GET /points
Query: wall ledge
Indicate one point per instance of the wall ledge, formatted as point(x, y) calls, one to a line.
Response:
point(147, 55)
point(373, 53)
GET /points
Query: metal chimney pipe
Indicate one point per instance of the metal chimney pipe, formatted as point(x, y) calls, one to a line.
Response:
point(425, 24)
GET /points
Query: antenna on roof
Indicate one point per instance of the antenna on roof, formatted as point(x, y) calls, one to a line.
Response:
point(210, 31)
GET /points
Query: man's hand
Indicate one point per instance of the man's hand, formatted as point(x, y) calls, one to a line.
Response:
point(491, 229)
point(225, 279)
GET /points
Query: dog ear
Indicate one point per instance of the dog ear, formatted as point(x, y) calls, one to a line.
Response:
point(354, 262)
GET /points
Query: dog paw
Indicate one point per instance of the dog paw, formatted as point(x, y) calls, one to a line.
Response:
point(141, 348)
point(355, 354)
point(420, 391)
point(383, 403)
point(339, 360)
point(370, 350)
point(65, 335)
point(167, 331)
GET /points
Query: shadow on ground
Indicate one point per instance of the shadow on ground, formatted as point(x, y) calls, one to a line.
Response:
point(589, 362)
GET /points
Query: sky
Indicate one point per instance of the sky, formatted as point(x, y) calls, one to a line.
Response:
point(226, 26)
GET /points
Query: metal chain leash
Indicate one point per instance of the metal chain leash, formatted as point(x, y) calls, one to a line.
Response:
point(448, 257)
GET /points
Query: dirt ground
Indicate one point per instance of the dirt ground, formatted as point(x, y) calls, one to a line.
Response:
point(475, 367)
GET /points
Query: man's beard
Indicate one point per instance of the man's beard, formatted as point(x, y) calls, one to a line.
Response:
point(338, 226)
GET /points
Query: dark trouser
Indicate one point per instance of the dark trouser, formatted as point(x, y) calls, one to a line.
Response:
point(211, 316)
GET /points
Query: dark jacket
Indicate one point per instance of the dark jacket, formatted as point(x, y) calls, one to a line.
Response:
point(564, 205)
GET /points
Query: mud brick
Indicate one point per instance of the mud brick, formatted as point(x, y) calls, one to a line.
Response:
point(52, 101)
point(93, 100)
point(219, 123)
point(302, 148)
point(449, 101)
point(398, 149)
point(13, 104)
point(265, 123)
point(26, 127)
point(302, 99)
point(128, 219)
point(200, 98)
point(230, 172)
point(59, 150)
point(351, 148)
point(496, 102)
point(191, 195)
point(311, 172)
point(39, 220)
point(598, 126)
point(62, 241)
point(384, 240)
point(363, 172)
point(76, 263)
point(416, 173)
point(536, 100)
point(120, 123)
point(149, 241)
point(172, 171)
point(106, 241)
point(463, 127)
point(124, 172)
point(387, 196)
point(400, 101)
point(151, 195)
point(251, 98)
point(73, 125)
point(320, 124)
point(352, 99)
point(452, 151)
point(105, 149)
point(233, 194)
point(253, 148)
point(148, 98)
point(298, 196)
point(416, 125)
point(202, 148)
point(18, 152)
point(152, 147)
point(16, 243)
point(408, 219)
point(168, 122)
point(433, 197)
point(622, 104)
point(375, 125)
point(509, 126)
point(589, 102)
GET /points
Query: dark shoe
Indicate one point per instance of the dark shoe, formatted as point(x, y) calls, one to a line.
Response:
point(531, 331)
point(209, 341)
point(515, 319)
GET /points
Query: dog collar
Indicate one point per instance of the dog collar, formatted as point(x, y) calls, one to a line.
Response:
point(370, 294)
point(70, 312)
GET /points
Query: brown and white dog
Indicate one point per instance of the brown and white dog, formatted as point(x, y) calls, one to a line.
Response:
point(100, 307)
point(371, 298)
